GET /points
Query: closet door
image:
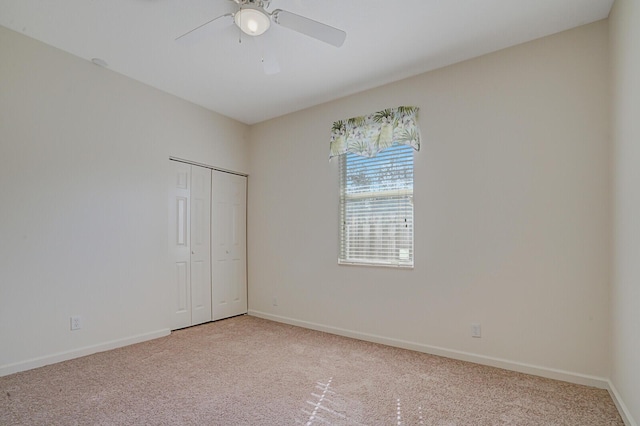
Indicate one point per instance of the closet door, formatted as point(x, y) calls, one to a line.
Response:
point(200, 245)
point(189, 244)
point(179, 243)
point(229, 245)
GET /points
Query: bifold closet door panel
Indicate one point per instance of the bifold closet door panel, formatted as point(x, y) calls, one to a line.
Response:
point(200, 245)
point(190, 244)
point(179, 243)
point(228, 245)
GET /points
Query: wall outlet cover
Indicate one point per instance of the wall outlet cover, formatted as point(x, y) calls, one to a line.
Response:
point(76, 322)
point(476, 331)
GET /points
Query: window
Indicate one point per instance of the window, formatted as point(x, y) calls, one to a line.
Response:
point(376, 208)
point(376, 186)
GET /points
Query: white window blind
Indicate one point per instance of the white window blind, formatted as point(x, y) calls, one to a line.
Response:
point(376, 208)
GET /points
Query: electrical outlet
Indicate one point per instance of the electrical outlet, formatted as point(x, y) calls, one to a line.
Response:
point(76, 322)
point(476, 330)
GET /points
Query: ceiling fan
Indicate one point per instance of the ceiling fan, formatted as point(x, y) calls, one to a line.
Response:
point(252, 18)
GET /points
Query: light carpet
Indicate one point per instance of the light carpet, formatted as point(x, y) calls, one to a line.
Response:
point(250, 371)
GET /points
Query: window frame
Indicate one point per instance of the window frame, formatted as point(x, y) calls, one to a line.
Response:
point(405, 197)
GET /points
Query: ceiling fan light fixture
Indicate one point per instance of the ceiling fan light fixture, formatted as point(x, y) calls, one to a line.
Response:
point(252, 20)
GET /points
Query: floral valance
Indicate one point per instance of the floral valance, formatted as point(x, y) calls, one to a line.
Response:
point(370, 134)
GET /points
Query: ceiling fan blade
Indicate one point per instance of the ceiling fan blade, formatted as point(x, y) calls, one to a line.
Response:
point(309, 27)
point(269, 62)
point(206, 30)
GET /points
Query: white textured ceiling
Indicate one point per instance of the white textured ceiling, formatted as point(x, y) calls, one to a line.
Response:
point(387, 40)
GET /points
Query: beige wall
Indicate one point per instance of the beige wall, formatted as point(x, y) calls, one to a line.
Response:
point(83, 182)
point(512, 208)
point(625, 292)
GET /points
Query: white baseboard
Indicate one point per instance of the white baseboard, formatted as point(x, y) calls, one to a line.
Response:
point(622, 408)
point(76, 353)
point(551, 373)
